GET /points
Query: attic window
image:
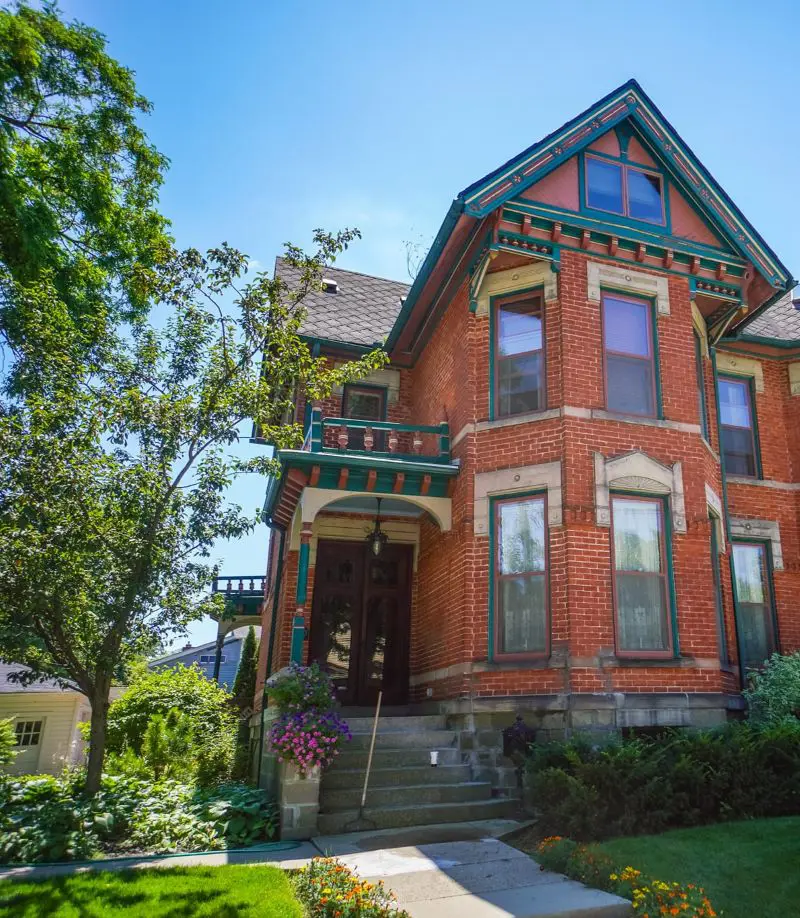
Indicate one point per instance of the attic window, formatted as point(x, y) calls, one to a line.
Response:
point(622, 189)
point(329, 286)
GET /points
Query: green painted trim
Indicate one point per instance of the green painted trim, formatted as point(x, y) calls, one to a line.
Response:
point(670, 573)
point(298, 638)
point(321, 344)
point(538, 288)
point(357, 423)
point(572, 222)
point(761, 339)
point(493, 501)
point(302, 573)
point(754, 412)
point(297, 457)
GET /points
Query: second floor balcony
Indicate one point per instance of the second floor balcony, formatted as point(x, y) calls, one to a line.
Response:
point(378, 439)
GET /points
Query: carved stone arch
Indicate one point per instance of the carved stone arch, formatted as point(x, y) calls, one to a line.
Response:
point(636, 471)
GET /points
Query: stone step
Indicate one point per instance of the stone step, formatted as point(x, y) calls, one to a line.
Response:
point(410, 795)
point(400, 739)
point(387, 777)
point(351, 757)
point(391, 817)
point(396, 724)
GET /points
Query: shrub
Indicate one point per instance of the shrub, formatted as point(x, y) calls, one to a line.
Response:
point(301, 688)
point(651, 897)
point(8, 742)
point(328, 889)
point(158, 692)
point(44, 818)
point(641, 786)
point(774, 692)
point(308, 739)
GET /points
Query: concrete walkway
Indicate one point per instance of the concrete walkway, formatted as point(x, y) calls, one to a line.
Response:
point(469, 878)
point(458, 870)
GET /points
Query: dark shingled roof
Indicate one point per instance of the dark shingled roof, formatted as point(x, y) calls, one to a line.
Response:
point(781, 320)
point(361, 311)
point(7, 687)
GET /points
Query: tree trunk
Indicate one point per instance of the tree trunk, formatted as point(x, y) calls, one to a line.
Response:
point(97, 737)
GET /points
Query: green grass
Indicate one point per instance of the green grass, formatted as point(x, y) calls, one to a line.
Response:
point(178, 892)
point(748, 869)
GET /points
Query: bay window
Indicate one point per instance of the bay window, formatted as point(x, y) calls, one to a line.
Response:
point(520, 577)
point(641, 593)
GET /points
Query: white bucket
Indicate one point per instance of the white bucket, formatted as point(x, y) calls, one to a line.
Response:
point(434, 757)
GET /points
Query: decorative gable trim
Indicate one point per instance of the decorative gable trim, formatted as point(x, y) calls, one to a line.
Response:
point(742, 366)
point(760, 530)
point(629, 101)
point(637, 471)
point(637, 282)
point(498, 283)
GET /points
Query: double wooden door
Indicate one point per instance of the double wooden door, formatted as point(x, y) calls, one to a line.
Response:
point(360, 620)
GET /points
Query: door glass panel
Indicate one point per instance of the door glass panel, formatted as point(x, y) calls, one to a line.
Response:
point(755, 637)
point(383, 573)
point(380, 615)
point(748, 567)
point(335, 638)
point(364, 405)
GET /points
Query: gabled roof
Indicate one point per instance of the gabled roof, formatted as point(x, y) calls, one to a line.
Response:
point(780, 321)
point(631, 102)
point(361, 310)
point(466, 218)
point(237, 634)
point(9, 687)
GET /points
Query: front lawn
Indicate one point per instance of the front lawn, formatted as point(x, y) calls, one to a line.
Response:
point(748, 869)
point(179, 892)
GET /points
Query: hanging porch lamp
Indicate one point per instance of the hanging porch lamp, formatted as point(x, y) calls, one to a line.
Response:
point(377, 539)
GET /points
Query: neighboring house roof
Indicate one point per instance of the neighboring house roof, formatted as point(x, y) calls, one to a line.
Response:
point(360, 310)
point(238, 634)
point(9, 687)
point(780, 321)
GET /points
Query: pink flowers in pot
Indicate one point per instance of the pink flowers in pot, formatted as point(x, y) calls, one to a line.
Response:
point(308, 738)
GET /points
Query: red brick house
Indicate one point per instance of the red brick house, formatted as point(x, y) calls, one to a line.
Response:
point(584, 452)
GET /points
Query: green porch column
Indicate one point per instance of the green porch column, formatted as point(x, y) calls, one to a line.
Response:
point(301, 595)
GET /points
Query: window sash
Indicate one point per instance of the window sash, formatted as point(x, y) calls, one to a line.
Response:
point(738, 449)
point(355, 435)
point(504, 391)
point(28, 733)
point(622, 358)
point(642, 632)
point(521, 632)
point(754, 610)
point(625, 169)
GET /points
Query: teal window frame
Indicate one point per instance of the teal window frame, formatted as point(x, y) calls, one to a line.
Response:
point(494, 501)
point(624, 219)
point(495, 300)
point(701, 385)
point(740, 377)
point(383, 391)
point(653, 320)
point(716, 573)
point(770, 586)
point(674, 651)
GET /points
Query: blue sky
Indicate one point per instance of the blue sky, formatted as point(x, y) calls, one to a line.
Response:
point(281, 117)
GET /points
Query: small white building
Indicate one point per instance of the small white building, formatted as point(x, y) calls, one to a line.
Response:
point(45, 719)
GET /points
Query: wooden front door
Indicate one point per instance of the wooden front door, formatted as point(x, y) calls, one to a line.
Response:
point(360, 620)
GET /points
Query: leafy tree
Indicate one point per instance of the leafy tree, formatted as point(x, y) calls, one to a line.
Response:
point(80, 235)
point(244, 685)
point(112, 488)
point(774, 691)
point(8, 741)
point(168, 744)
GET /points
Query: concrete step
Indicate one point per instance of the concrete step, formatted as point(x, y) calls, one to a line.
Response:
point(391, 817)
point(410, 795)
point(351, 757)
point(396, 724)
point(386, 777)
point(401, 739)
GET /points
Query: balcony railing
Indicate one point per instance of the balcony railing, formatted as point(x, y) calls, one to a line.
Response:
point(384, 439)
point(242, 595)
